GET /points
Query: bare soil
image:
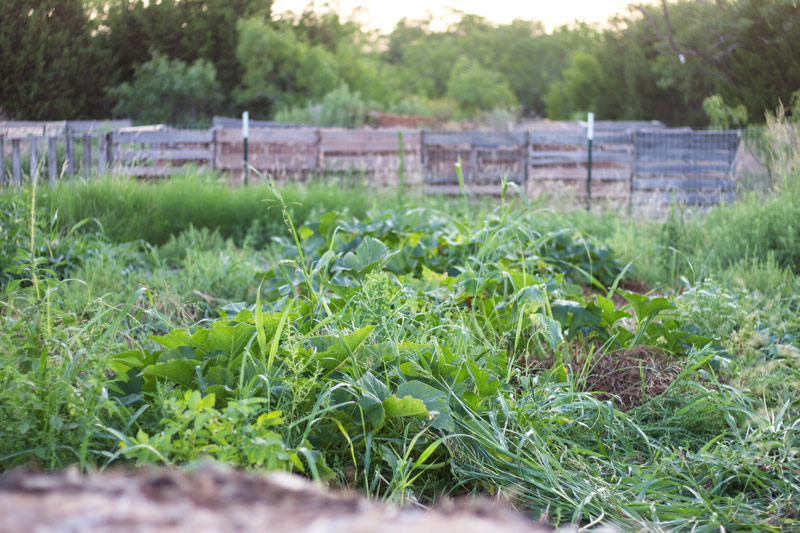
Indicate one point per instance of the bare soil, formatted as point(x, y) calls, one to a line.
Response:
point(629, 378)
point(213, 499)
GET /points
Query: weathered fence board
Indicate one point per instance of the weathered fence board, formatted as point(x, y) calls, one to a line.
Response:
point(696, 169)
point(165, 136)
point(70, 156)
point(688, 140)
point(52, 159)
point(164, 154)
point(33, 152)
point(86, 166)
point(150, 172)
point(2, 160)
point(649, 164)
point(153, 153)
point(16, 162)
point(649, 184)
point(693, 198)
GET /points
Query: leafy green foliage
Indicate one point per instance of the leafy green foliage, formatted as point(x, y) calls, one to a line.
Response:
point(476, 88)
point(340, 107)
point(51, 65)
point(170, 92)
point(279, 69)
point(412, 352)
point(724, 117)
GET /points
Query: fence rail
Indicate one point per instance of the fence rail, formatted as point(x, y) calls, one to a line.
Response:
point(647, 167)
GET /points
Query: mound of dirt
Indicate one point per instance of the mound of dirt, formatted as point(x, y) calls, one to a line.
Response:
point(629, 378)
point(212, 499)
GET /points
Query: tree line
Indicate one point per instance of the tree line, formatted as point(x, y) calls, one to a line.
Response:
point(685, 62)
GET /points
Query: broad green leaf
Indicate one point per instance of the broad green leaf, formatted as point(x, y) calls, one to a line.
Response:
point(372, 386)
point(645, 307)
point(486, 384)
point(179, 371)
point(369, 254)
point(230, 339)
point(435, 402)
point(373, 412)
point(395, 407)
point(550, 329)
point(174, 339)
point(608, 310)
point(333, 350)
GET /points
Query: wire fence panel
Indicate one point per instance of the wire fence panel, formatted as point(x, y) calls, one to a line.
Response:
point(560, 165)
point(691, 167)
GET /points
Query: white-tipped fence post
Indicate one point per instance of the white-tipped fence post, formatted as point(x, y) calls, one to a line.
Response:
point(590, 139)
point(245, 134)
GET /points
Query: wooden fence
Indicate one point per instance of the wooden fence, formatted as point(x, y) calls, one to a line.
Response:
point(641, 168)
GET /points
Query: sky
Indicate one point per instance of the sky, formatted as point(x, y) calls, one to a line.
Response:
point(383, 14)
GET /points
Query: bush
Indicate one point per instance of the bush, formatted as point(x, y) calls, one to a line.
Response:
point(169, 91)
point(722, 116)
point(476, 88)
point(340, 107)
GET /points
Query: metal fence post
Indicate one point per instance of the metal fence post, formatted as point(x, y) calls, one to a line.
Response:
point(590, 139)
point(245, 134)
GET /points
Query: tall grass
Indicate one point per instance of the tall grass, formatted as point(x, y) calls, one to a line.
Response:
point(343, 331)
point(130, 210)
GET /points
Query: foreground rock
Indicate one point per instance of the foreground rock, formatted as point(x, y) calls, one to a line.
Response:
point(212, 499)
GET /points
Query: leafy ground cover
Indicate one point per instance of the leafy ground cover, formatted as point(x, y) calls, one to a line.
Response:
point(409, 352)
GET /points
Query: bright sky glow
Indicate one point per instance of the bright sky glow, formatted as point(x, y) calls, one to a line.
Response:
point(383, 14)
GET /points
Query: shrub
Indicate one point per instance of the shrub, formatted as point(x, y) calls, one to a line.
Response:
point(169, 91)
point(476, 88)
point(340, 107)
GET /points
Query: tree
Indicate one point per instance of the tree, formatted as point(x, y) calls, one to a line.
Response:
point(280, 71)
point(577, 92)
point(50, 66)
point(169, 91)
point(475, 88)
point(180, 29)
point(724, 117)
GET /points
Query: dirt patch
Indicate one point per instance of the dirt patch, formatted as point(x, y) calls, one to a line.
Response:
point(628, 377)
point(212, 499)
